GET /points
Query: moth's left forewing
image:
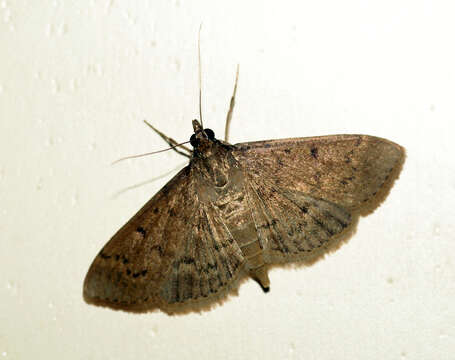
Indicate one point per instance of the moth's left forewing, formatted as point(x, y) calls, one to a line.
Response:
point(306, 193)
point(352, 171)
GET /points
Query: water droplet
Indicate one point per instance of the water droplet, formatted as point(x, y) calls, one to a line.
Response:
point(55, 86)
point(436, 230)
point(437, 269)
point(390, 280)
point(62, 29)
point(74, 199)
point(50, 141)
point(49, 29)
point(291, 348)
point(73, 84)
point(403, 354)
point(39, 186)
point(4, 354)
point(50, 305)
point(12, 288)
point(4, 4)
point(153, 43)
point(177, 64)
point(1, 89)
point(7, 15)
point(153, 331)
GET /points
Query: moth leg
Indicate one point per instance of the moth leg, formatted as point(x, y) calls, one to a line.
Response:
point(231, 107)
point(171, 141)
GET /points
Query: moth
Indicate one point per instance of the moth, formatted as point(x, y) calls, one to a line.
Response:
point(237, 210)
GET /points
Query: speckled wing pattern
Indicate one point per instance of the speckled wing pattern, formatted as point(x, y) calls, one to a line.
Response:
point(294, 226)
point(306, 192)
point(236, 210)
point(174, 252)
point(208, 265)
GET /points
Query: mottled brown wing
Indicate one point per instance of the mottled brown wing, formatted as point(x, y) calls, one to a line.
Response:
point(352, 171)
point(174, 254)
point(306, 193)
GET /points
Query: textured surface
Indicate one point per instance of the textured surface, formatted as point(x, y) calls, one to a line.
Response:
point(78, 78)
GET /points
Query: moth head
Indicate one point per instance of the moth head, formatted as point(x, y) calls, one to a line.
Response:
point(202, 138)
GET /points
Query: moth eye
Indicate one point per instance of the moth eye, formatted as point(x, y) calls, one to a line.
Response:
point(210, 134)
point(194, 141)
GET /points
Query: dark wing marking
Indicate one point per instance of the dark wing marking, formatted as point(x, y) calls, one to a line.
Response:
point(167, 253)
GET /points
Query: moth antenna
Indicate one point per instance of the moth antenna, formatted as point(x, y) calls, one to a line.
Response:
point(200, 73)
point(231, 106)
point(170, 141)
point(149, 153)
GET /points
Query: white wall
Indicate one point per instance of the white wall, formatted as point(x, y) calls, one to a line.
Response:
point(78, 78)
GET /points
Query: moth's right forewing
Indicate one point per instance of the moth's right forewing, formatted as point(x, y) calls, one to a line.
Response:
point(352, 171)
